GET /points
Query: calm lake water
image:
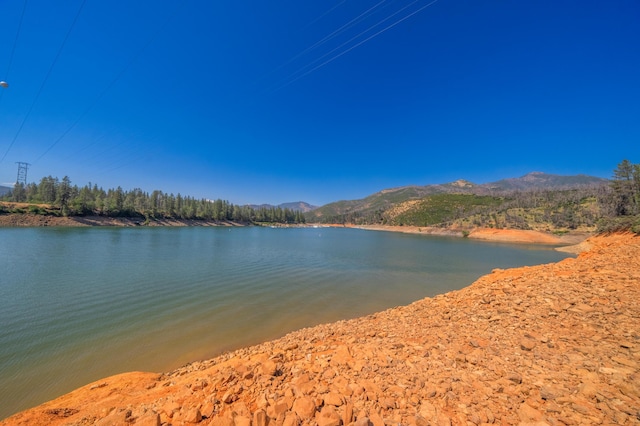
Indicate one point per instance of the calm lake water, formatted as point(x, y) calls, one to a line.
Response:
point(79, 304)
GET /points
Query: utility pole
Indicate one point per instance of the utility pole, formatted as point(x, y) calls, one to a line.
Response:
point(22, 172)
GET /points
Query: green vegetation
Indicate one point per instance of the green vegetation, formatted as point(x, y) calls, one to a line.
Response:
point(588, 205)
point(54, 197)
point(548, 210)
point(443, 208)
point(621, 206)
point(558, 205)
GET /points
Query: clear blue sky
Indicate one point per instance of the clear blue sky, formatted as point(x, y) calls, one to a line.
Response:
point(270, 102)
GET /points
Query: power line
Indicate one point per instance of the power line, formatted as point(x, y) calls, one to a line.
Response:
point(106, 89)
point(326, 13)
point(333, 58)
point(15, 42)
point(44, 82)
point(301, 71)
point(331, 35)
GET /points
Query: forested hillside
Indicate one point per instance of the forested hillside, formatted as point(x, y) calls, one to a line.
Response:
point(539, 210)
point(536, 201)
point(372, 206)
point(539, 202)
point(59, 197)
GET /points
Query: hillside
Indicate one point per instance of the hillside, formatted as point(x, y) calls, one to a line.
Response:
point(4, 190)
point(558, 210)
point(500, 203)
point(539, 180)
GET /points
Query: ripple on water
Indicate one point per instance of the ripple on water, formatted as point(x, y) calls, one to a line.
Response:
point(81, 304)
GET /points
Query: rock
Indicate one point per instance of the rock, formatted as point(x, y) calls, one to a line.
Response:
point(387, 403)
point(268, 368)
point(341, 357)
point(376, 419)
point(223, 420)
point(260, 418)
point(528, 414)
point(626, 362)
point(549, 393)
point(328, 374)
point(515, 378)
point(427, 410)
point(242, 421)
point(148, 419)
point(304, 407)
point(419, 421)
point(589, 390)
point(328, 416)
point(363, 421)
point(117, 417)
point(443, 420)
point(347, 414)
point(192, 415)
point(291, 419)
point(527, 344)
point(170, 408)
point(333, 398)
point(277, 408)
point(229, 397)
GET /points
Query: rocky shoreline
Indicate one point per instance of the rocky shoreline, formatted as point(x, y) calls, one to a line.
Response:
point(489, 234)
point(555, 344)
point(29, 220)
point(25, 220)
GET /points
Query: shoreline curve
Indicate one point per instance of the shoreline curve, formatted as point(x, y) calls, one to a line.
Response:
point(547, 344)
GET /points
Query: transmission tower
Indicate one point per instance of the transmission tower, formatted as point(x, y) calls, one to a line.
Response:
point(22, 172)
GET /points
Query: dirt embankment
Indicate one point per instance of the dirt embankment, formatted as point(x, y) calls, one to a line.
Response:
point(555, 344)
point(37, 220)
point(488, 234)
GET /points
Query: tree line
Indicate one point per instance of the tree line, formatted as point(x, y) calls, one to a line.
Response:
point(611, 207)
point(621, 203)
point(71, 200)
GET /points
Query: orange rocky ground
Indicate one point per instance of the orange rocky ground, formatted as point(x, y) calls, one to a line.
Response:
point(488, 234)
point(555, 344)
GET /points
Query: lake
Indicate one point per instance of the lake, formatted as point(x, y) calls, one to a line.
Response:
point(80, 304)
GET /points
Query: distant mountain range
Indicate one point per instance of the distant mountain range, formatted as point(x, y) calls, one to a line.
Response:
point(4, 190)
point(388, 197)
point(297, 206)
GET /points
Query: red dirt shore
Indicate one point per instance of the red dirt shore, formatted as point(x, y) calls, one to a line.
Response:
point(488, 234)
point(555, 344)
point(36, 220)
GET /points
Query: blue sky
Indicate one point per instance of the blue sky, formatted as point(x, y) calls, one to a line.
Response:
point(271, 102)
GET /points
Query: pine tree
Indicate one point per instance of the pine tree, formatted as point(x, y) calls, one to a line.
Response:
point(625, 200)
point(63, 195)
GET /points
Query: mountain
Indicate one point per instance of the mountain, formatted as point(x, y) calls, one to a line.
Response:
point(539, 180)
point(4, 190)
point(298, 206)
point(385, 199)
point(295, 206)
